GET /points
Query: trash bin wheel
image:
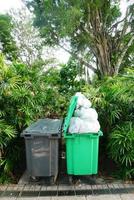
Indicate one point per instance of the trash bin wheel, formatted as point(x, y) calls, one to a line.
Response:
point(53, 179)
point(34, 178)
point(70, 179)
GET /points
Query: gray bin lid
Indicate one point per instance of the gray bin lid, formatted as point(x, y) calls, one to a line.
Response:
point(44, 127)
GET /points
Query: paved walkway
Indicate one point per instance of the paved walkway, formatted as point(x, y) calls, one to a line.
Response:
point(83, 188)
point(88, 197)
point(67, 192)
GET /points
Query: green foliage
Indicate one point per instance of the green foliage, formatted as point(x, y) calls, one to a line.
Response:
point(61, 84)
point(6, 134)
point(6, 40)
point(19, 88)
point(25, 96)
point(113, 99)
point(92, 28)
point(121, 148)
point(5, 178)
point(121, 144)
point(67, 17)
point(70, 81)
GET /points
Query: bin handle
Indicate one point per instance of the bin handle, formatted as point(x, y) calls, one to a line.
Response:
point(54, 136)
point(28, 136)
point(100, 133)
point(69, 136)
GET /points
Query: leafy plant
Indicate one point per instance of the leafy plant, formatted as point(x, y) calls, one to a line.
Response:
point(22, 100)
point(8, 45)
point(113, 99)
point(70, 80)
point(121, 147)
point(29, 93)
point(26, 94)
point(5, 178)
point(92, 29)
point(6, 134)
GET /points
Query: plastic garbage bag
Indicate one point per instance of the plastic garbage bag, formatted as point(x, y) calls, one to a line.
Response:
point(79, 126)
point(82, 101)
point(75, 124)
point(89, 127)
point(86, 113)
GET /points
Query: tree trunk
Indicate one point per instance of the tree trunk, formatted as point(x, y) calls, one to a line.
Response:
point(102, 53)
point(100, 43)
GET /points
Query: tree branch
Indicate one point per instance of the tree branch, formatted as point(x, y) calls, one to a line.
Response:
point(122, 20)
point(119, 61)
point(74, 54)
point(116, 24)
point(80, 59)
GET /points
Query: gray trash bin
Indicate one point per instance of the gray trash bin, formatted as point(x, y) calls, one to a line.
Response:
point(42, 142)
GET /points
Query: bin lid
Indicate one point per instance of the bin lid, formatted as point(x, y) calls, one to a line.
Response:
point(70, 112)
point(44, 127)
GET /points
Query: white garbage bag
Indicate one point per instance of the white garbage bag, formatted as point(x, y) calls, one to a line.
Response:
point(82, 101)
point(75, 124)
point(85, 118)
point(86, 113)
point(89, 127)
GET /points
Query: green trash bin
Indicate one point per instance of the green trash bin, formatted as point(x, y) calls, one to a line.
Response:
point(81, 149)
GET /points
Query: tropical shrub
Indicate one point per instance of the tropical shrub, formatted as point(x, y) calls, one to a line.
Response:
point(25, 95)
point(7, 133)
point(70, 80)
point(61, 84)
point(121, 148)
point(113, 98)
point(114, 101)
point(28, 93)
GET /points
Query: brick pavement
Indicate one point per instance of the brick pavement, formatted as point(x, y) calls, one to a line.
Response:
point(84, 197)
point(108, 191)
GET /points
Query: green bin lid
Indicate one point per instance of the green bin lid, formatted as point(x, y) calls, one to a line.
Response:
point(70, 112)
